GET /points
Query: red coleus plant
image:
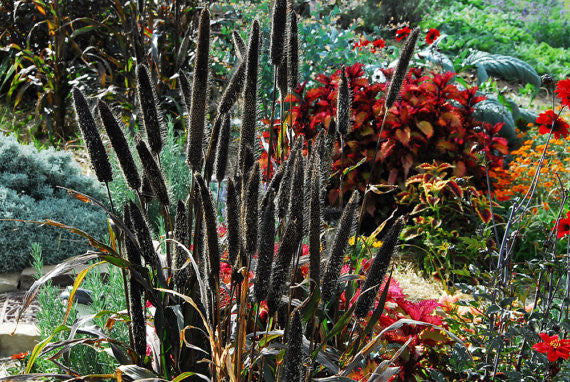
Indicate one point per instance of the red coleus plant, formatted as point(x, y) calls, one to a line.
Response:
point(432, 120)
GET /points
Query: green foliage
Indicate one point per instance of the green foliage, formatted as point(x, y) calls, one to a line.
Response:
point(476, 25)
point(446, 210)
point(28, 191)
point(53, 44)
point(107, 294)
point(173, 166)
point(506, 67)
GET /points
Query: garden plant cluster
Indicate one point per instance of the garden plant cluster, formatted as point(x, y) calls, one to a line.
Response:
point(263, 168)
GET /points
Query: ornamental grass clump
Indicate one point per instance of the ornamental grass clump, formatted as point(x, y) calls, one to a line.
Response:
point(239, 295)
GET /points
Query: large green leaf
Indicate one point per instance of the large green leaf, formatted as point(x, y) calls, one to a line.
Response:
point(506, 67)
point(437, 58)
point(493, 111)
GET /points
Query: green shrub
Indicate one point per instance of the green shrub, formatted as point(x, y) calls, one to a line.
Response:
point(474, 25)
point(28, 191)
point(107, 294)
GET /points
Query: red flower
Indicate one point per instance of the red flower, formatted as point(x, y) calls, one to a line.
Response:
point(553, 347)
point(432, 35)
point(563, 91)
point(563, 226)
point(19, 355)
point(362, 42)
point(402, 33)
point(546, 119)
point(379, 44)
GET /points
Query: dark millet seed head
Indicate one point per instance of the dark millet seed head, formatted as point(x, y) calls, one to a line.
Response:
point(194, 155)
point(378, 269)
point(152, 172)
point(343, 105)
point(95, 148)
point(151, 114)
point(332, 271)
point(120, 145)
point(278, 27)
point(402, 68)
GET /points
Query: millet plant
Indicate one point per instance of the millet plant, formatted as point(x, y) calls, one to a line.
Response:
point(230, 299)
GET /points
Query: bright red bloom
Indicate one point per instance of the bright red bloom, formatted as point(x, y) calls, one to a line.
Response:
point(553, 347)
point(379, 44)
point(563, 226)
point(19, 355)
point(563, 91)
point(546, 119)
point(402, 33)
point(361, 43)
point(432, 35)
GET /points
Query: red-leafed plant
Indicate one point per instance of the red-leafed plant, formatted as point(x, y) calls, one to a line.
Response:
point(432, 120)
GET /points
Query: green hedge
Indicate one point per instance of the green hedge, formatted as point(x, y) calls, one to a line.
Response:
point(28, 190)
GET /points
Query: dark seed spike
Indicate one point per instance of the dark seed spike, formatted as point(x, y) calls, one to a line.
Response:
point(212, 241)
point(281, 270)
point(194, 155)
point(282, 78)
point(233, 223)
point(250, 213)
point(142, 232)
point(402, 68)
point(336, 257)
point(152, 172)
point(223, 149)
point(180, 276)
point(138, 326)
point(151, 115)
point(297, 199)
point(249, 115)
point(378, 269)
point(278, 27)
point(212, 146)
point(284, 194)
point(293, 53)
point(315, 226)
point(276, 180)
point(343, 105)
point(326, 151)
point(265, 249)
point(239, 46)
point(199, 234)
point(186, 90)
point(120, 145)
point(233, 89)
point(293, 360)
point(199, 253)
point(146, 190)
point(95, 148)
point(274, 187)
